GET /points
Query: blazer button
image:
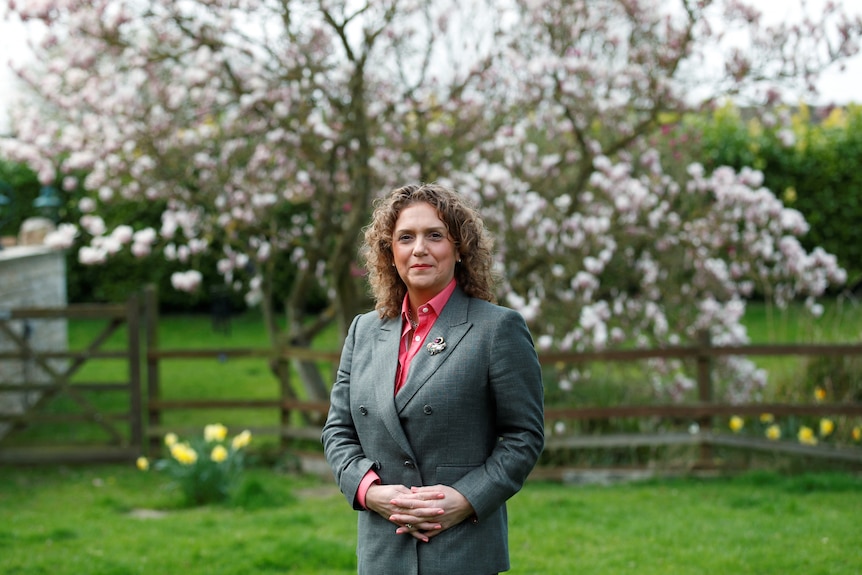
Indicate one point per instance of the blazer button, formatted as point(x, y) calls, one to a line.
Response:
point(427, 409)
point(376, 466)
point(409, 464)
point(363, 410)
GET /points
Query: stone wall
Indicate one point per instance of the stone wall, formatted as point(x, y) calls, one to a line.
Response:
point(30, 276)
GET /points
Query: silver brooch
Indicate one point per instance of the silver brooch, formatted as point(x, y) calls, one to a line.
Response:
point(436, 346)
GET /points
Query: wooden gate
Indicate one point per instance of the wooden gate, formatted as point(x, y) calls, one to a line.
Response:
point(71, 405)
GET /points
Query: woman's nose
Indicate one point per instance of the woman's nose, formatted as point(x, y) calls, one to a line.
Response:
point(419, 247)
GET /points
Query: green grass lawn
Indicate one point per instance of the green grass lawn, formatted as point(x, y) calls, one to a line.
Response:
point(112, 520)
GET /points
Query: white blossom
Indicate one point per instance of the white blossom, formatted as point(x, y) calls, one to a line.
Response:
point(187, 281)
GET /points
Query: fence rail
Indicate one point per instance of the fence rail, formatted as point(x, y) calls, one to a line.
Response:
point(123, 430)
point(703, 411)
point(148, 404)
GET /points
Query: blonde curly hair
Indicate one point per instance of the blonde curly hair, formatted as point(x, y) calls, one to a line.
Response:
point(465, 226)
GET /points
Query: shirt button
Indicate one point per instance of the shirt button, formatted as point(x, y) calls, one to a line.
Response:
point(424, 310)
point(416, 338)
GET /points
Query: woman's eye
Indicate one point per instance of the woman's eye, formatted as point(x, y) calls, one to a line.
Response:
point(435, 236)
point(405, 238)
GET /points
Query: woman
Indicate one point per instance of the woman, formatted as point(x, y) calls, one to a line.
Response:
point(436, 414)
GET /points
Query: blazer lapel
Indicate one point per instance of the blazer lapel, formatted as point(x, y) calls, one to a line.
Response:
point(451, 326)
point(385, 364)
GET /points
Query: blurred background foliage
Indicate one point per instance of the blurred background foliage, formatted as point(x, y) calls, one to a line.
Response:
point(810, 158)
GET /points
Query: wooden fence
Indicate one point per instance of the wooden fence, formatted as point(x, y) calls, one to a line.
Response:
point(706, 408)
point(703, 411)
point(147, 423)
point(120, 429)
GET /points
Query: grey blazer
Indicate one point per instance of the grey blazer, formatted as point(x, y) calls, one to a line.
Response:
point(470, 417)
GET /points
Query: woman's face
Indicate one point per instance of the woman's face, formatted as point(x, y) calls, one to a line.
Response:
point(424, 253)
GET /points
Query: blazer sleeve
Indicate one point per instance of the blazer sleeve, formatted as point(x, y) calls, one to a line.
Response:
point(340, 441)
point(516, 382)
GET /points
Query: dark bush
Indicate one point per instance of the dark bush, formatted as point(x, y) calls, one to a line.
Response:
point(20, 187)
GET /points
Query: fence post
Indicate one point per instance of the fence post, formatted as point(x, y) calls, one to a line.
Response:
point(151, 310)
point(133, 324)
point(704, 393)
point(282, 370)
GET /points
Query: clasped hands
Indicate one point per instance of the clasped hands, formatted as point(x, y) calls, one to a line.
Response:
point(422, 512)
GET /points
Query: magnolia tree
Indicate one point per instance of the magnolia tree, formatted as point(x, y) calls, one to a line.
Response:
point(601, 246)
point(257, 128)
point(267, 127)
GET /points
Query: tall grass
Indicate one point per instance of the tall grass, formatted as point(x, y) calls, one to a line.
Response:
point(841, 321)
point(795, 378)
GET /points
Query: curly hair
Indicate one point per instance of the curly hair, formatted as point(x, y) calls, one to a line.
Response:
point(465, 226)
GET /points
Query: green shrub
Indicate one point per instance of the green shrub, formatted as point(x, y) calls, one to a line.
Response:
point(19, 185)
point(206, 469)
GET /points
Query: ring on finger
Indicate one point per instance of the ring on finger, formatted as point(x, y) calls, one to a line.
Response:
point(408, 525)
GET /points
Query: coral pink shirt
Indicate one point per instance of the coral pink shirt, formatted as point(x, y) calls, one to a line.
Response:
point(410, 345)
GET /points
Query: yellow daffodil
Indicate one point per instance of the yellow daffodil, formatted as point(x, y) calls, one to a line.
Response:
point(766, 418)
point(827, 426)
point(857, 433)
point(183, 453)
point(218, 454)
point(819, 393)
point(204, 467)
point(215, 432)
point(736, 424)
point(241, 440)
point(806, 436)
point(773, 432)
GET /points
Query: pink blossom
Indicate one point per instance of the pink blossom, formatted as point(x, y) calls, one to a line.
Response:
point(109, 245)
point(123, 234)
point(141, 249)
point(187, 281)
point(145, 236)
point(63, 237)
point(88, 255)
point(787, 138)
point(93, 225)
point(87, 205)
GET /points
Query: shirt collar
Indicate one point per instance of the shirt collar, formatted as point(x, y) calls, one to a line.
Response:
point(436, 303)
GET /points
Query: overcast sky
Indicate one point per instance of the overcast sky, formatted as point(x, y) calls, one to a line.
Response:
point(835, 86)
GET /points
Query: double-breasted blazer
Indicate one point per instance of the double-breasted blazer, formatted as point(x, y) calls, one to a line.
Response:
point(470, 417)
